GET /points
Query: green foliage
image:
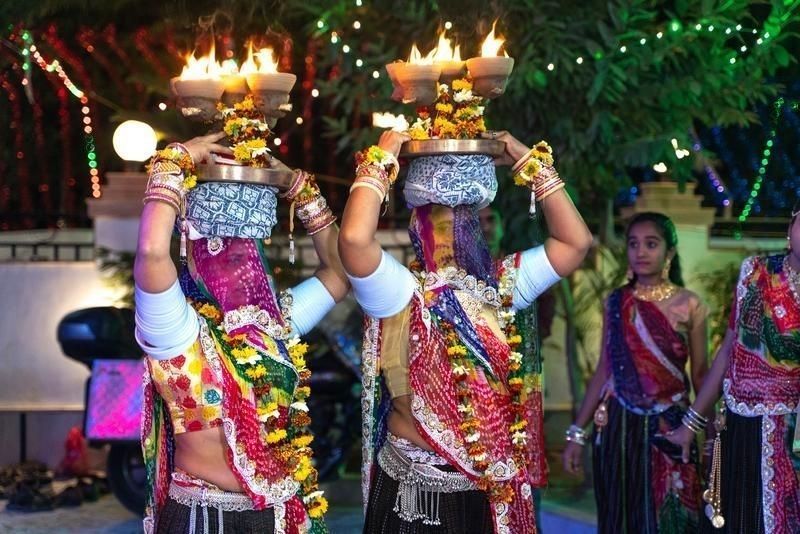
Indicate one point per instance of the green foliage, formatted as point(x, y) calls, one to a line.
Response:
point(117, 270)
point(619, 109)
point(719, 287)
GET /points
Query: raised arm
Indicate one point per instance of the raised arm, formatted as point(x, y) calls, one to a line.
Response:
point(165, 324)
point(360, 251)
point(320, 223)
point(570, 238)
point(153, 268)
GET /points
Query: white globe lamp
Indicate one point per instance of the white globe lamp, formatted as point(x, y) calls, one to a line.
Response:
point(134, 141)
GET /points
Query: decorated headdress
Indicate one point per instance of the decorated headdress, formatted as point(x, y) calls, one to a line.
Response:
point(451, 180)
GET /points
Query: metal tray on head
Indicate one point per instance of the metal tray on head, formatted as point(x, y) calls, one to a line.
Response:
point(433, 147)
point(279, 178)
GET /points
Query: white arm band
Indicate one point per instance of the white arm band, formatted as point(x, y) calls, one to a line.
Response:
point(386, 291)
point(534, 276)
point(311, 301)
point(165, 323)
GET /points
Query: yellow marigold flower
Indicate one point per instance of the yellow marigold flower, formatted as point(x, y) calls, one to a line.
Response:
point(302, 441)
point(318, 508)
point(543, 152)
point(256, 372)
point(276, 435)
point(462, 84)
point(190, 181)
point(298, 350)
point(245, 355)
point(515, 340)
point(375, 154)
point(459, 350)
point(245, 105)
point(208, 311)
point(444, 108)
point(303, 469)
point(519, 179)
point(417, 133)
point(268, 411)
point(302, 392)
point(519, 425)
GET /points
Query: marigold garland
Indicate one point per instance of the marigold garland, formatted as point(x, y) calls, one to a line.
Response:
point(456, 114)
point(289, 443)
point(462, 367)
point(247, 129)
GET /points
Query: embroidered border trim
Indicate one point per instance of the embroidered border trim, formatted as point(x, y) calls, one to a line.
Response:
point(748, 410)
point(767, 473)
point(457, 278)
point(369, 375)
point(253, 315)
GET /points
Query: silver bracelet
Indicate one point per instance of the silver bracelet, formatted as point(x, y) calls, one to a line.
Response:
point(576, 434)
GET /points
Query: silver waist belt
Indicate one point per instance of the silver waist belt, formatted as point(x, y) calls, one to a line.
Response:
point(420, 485)
point(222, 501)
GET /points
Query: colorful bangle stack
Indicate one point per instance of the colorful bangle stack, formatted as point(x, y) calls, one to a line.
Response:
point(376, 169)
point(576, 434)
point(315, 215)
point(171, 176)
point(309, 204)
point(535, 170)
point(694, 421)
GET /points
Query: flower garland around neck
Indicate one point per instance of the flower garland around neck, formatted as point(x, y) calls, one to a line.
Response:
point(462, 368)
point(287, 442)
point(457, 113)
point(248, 132)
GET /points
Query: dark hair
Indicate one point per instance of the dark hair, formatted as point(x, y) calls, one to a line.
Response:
point(666, 228)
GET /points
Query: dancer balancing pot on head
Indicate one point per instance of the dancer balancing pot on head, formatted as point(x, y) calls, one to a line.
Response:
point(752, 485)
point(640, 391)
point(452, 416)
point(225, 424)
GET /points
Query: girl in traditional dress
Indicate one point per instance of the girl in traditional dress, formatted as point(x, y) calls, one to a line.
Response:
point(452, 430)
point(640, 391)
point(225, 425)
point(753, 487)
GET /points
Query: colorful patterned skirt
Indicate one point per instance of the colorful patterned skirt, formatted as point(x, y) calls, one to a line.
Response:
point(641, 484)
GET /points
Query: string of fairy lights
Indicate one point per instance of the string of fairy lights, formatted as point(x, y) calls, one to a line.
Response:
point(31, 54)
point(744, 35)
point(339, 38)
point(778, 108)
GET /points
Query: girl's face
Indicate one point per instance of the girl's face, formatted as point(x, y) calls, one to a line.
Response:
point(647, 250)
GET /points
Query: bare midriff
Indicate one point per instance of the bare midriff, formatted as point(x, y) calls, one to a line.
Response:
point(401, 422)
point(203, 454)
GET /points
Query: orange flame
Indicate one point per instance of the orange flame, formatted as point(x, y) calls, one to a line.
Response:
point(416, 57)
point(444, 50)
point(267, 62)
point(202, 68)
point(249, 66)
point(491, 45)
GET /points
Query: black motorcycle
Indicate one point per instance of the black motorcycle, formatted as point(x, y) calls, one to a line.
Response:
point(103, 340)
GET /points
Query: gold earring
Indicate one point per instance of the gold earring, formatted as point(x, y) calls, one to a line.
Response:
point(629, 273)
point(665, 270)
